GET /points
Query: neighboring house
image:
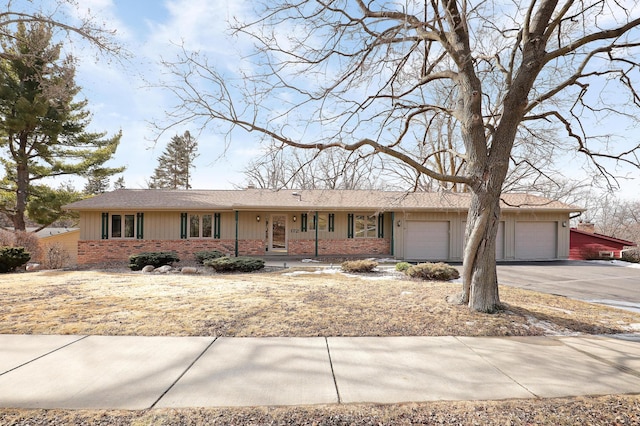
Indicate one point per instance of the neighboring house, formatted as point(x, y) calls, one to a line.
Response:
point(410, 226)
point(586, 244)
point(64, 238)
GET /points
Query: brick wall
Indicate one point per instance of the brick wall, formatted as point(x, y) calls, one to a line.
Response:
point(348, 246)
point(106, 251)
point(251, 248)
point(114, 250)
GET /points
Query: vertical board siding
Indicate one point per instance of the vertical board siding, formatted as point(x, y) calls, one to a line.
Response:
point(165, 226)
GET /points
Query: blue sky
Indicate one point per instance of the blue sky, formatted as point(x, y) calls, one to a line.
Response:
point(120, 97)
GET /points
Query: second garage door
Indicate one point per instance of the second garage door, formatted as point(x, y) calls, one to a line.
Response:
point(426, 240)
point(536, 240)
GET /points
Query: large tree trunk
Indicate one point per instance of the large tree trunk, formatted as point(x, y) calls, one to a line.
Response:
point(22, 184)
point(479, 276)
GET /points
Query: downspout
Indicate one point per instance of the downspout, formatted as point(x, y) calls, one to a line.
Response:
point(237, 233)
point(316, 223)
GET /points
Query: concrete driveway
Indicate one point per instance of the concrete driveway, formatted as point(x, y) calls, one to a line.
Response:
point(604, 283)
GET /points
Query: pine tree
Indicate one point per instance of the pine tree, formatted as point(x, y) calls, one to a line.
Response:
point(175, 163)
point(42, 125)
point(119, 183)
point(97, 182)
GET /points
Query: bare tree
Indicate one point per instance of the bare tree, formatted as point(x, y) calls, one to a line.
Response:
point(86, 28)
point(332, 168)
point(437, 144)
point(359, 75)
point(612, 216)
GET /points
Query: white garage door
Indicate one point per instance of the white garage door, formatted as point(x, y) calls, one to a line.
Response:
point(536, 240)
point(426, 240)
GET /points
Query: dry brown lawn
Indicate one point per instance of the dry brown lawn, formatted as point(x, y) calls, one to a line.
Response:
point(604, 410)
point(277, 304)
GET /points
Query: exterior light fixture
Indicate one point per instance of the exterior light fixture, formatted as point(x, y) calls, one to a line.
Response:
point(258, 218)
point(294, 218)
point(399, 223)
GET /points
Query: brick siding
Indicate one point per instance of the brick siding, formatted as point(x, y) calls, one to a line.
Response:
point(349, 247)
point(119, 250)
point(107, 251)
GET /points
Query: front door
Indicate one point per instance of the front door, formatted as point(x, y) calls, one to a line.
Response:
point(278, 234)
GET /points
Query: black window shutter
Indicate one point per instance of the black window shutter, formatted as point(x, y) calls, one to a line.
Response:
point(332, 222)
point(216, 225)
point(183, 226)
point(381, 225)
point(105, 226)
point(303, 222)
point(140, 226)
point(350, 225)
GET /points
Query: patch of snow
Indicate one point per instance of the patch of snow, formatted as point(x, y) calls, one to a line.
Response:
point(309, 261)
point(549, 328)
point(616, 262)
point(628, 306)
point(316, 272)
point(381, 275)
point(367, 277)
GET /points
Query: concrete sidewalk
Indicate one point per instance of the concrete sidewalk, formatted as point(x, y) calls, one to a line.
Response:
point(84, 372)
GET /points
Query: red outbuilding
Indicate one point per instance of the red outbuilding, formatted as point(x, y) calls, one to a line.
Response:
point(584, 244)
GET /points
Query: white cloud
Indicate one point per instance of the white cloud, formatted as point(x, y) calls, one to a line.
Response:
point(201, 25)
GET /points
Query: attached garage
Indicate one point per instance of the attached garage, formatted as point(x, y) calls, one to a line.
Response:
point(427, 240)
point(536, 240)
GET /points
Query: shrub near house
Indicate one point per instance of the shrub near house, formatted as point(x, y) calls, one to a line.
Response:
point(12, 258)
point(433, 272)
point(236, 264)
point(155, 259)
point(358, 266)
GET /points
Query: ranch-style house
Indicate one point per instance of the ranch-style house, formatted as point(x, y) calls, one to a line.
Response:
point(412, 226)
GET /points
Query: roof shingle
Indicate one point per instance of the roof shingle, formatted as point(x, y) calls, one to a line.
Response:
point(261, 199)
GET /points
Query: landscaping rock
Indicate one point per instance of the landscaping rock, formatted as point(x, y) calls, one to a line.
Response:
point(189, 270)
point(164, 269)
point(148, 269)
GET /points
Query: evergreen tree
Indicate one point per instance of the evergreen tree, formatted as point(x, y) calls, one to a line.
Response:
point(45, 204)
point(42, 126)
point(175, 163)
point(97, 182)
point(119, 183)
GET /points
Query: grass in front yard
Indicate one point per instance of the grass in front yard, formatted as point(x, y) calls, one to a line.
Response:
point(604, 410)
point(275, 304)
